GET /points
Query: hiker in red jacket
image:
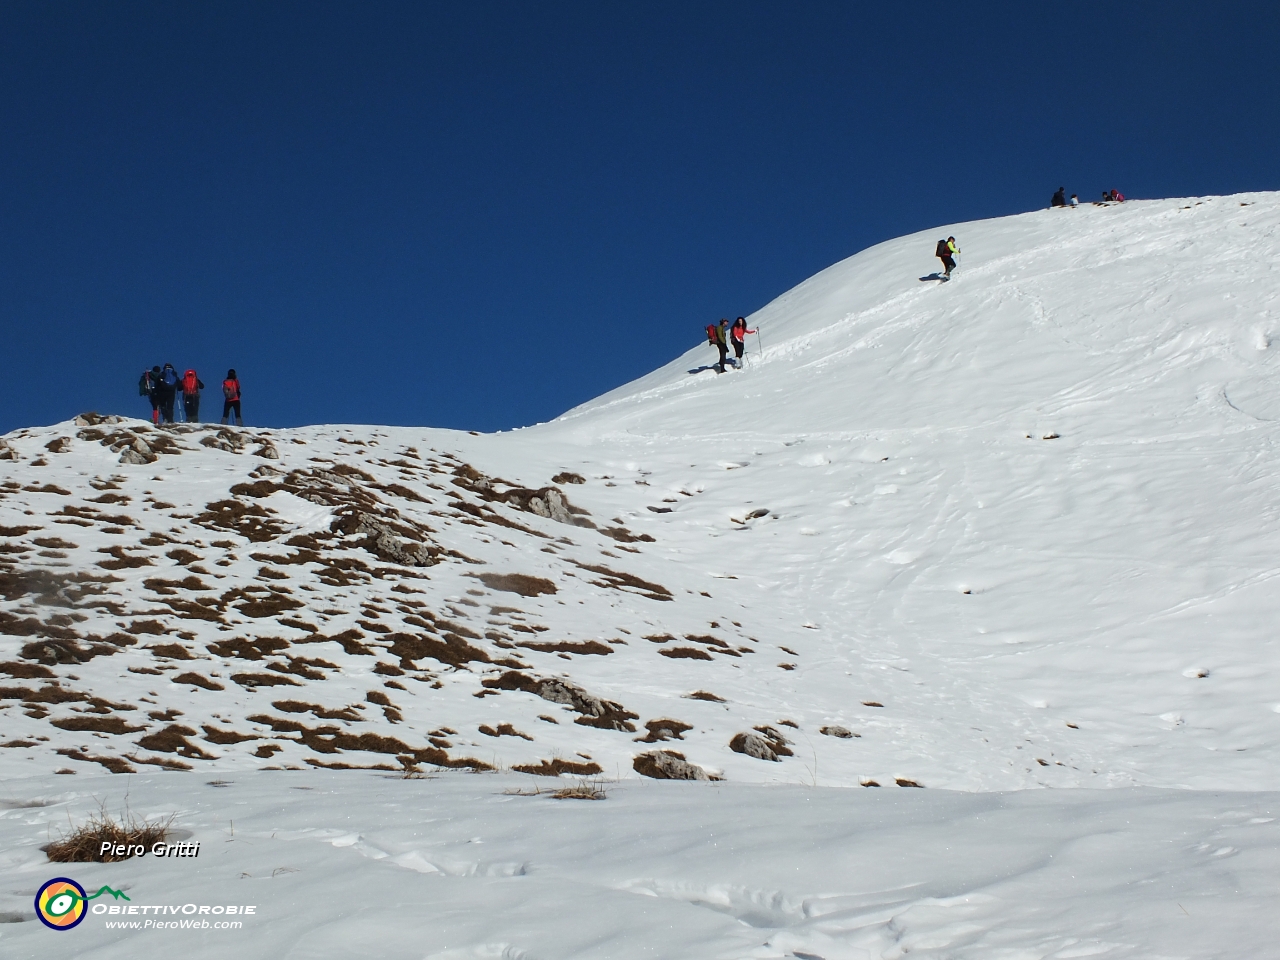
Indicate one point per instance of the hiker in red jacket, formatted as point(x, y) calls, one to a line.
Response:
point(737, 336)
point(231, 395)
point(191, 387)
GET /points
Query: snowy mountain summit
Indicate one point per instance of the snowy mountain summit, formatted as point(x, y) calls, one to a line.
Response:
point(1016, 529)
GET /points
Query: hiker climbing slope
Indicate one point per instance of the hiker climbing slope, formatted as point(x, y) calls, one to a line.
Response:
point(946, 252)
point(737, 336)
point(717, 336)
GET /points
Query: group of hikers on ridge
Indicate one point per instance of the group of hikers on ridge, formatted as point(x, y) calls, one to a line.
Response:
point(160, 385)
point(1108, 196)
point(722, 336)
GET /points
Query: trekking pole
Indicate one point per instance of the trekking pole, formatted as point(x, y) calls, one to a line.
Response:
point(760, 344)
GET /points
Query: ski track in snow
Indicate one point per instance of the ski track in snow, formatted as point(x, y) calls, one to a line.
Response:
point(1020, 532)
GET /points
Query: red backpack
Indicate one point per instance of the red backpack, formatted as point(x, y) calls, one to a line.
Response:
point(190, 383)
point(712, 334)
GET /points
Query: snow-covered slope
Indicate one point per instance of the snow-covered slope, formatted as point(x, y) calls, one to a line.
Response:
point(1009, 531)
point(979, 606)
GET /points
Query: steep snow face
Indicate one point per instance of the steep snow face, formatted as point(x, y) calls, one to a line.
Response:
point(1011, 530)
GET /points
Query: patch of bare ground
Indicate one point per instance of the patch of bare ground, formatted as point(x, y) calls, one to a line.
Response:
point(267, 750)
point(595, 711)
point(704, 695)
point(173, 739)
point(557, 766)
point(255, 648)
point(171, 651)
point(685, 653)
point(324, 713)
point(53, 543)
point(197, 680)
point(271, 605)
point(166, 762)
point(183, 557)
point(349, 766)
point(668, 765)
point(349, 640)
point(329, 740)
point(120, 560)
point(451, 650)
point(664, 728)
point(904, 782)
point(504, 730)
point(170, 587)
point(518, 583)
point(568, 646)
point(50, 650)
point(93, 724)
point(26, 671)
point(623, 535)
point(106, 839)
point(114, 764)
point(226, 737)
point(249, 520)
point(711, 641)
point(659, 638)
point(251, 681)
point(617, 580)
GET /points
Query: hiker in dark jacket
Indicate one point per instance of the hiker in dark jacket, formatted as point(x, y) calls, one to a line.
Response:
point(151, 379)
point(167, 391)
point(231, 397)
point(722, 343)
point(191, 387)
point(1059, 198)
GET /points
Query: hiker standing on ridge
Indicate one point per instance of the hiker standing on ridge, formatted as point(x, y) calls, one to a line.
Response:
point(717, 336)
point(737, 336)
point(167, 391)
point(231, 394)
point(149, 387)
point(191, 387)
point(946, 252)
point(1059, 198)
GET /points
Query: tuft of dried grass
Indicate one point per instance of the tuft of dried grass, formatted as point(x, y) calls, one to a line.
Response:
point(582, 790)
point(83, 844)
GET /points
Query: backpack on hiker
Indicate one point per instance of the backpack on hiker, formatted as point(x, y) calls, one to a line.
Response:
point(944, 249)
point(190, 383)
point(713, 335)
point(144, 384)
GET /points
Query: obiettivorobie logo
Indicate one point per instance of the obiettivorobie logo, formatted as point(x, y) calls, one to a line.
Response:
point(62, 903)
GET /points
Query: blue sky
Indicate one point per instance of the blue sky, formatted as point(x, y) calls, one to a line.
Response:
point(479, 215)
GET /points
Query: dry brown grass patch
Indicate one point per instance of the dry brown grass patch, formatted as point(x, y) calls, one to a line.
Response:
point(83, 844)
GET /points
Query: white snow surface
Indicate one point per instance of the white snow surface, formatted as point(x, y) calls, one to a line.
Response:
point(1020, 533)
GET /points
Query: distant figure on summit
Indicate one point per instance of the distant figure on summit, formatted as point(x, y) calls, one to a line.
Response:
point(166, 391)
point(1075, 201)
point(946, 252)
point(1059, 198)
point(1117, 196)
point(191, 387)
point(231, 394)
